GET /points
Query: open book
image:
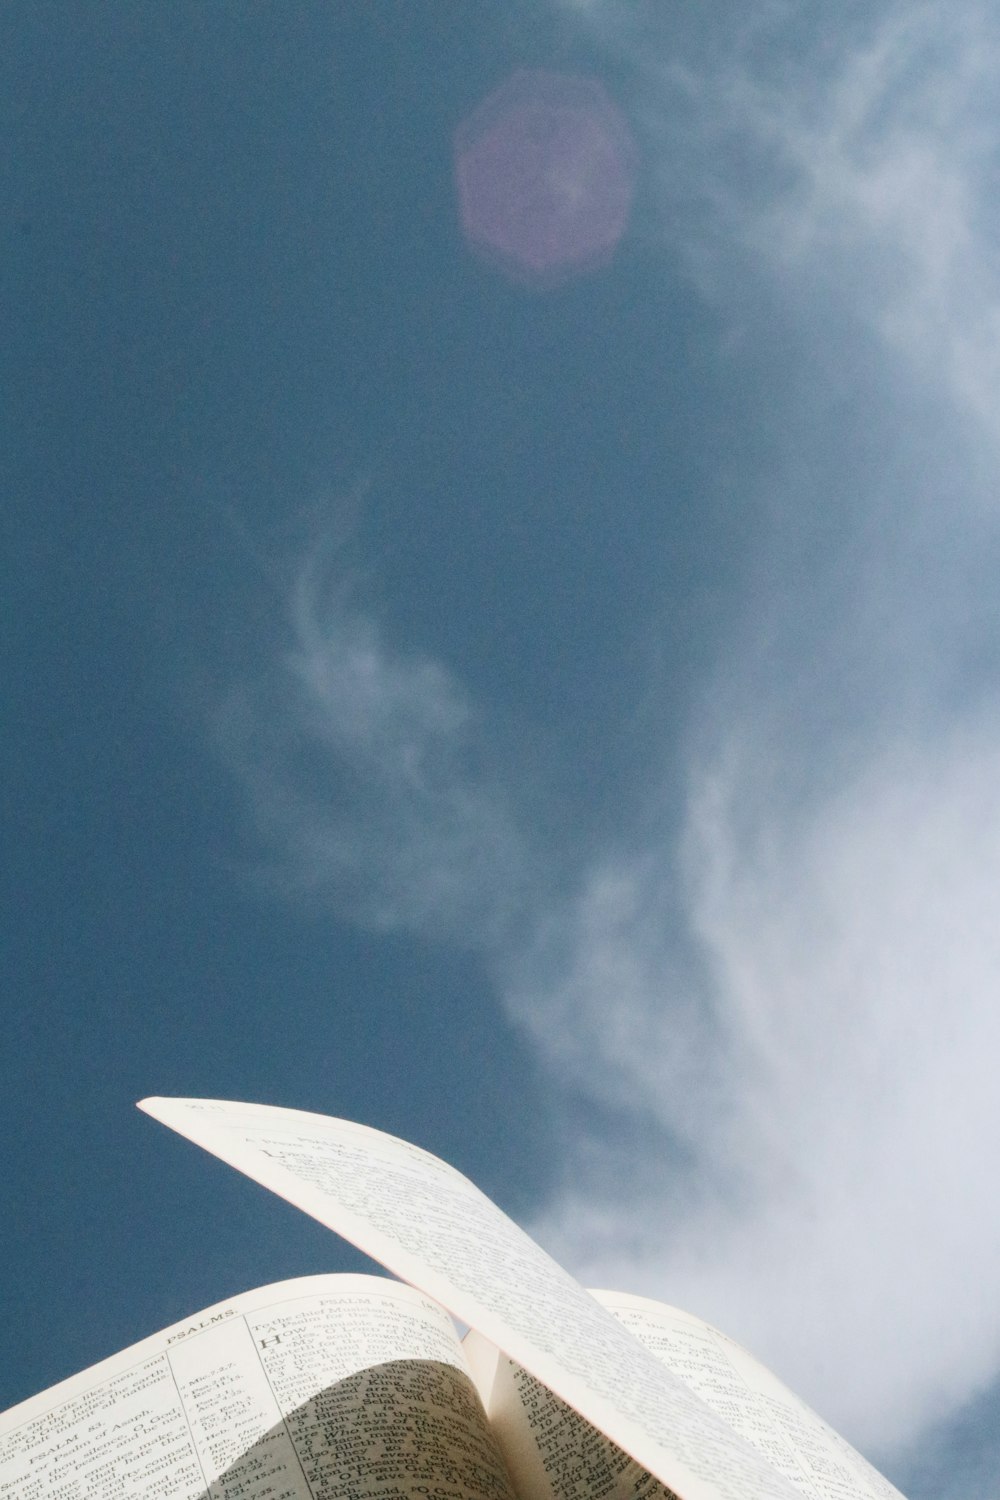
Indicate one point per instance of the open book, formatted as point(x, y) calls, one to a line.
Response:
point(359, 1388)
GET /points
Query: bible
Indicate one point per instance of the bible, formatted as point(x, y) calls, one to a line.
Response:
point(347, 1387)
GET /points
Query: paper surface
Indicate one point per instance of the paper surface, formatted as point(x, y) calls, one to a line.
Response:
point(433, 1228)
point(790, 1435)
point(320, 1385)
point(552, 1452)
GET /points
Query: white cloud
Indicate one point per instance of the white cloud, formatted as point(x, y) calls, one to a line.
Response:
point(789, 1017)
point(361, 765)
point(835, 1087)
point(802, 999)
point(860, 157)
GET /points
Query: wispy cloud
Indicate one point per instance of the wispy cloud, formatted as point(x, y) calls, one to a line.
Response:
point(822, 1042)
point(786, 1015)
point(828, 1067)
point(857, 152)
point(365, 769)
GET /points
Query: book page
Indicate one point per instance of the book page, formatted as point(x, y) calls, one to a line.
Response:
point(323, 1388)
point(818, 1461)
point(551, 1451)
point(432, 1227)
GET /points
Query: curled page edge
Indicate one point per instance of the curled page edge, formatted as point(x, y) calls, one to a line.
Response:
point(225, 1128)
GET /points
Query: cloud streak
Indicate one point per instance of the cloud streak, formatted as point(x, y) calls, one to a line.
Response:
point(828, 1066)
point(784, 1017)
point(829, 1070)
point(363, 766)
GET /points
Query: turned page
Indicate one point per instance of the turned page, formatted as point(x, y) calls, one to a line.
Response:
point(551, 1451)
point(323, 1387)
point(553, 1454)
point(432, 1227)
point(806, 1450)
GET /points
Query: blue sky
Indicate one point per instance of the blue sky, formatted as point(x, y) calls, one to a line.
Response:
point(559, 726)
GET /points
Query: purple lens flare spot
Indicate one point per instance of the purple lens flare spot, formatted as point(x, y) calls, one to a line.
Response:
point(544, 169)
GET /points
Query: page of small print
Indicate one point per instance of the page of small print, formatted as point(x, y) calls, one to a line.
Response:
point(433, 1228)
point(357, 1388)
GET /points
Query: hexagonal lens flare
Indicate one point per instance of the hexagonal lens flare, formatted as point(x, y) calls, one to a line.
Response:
point(545, 168)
